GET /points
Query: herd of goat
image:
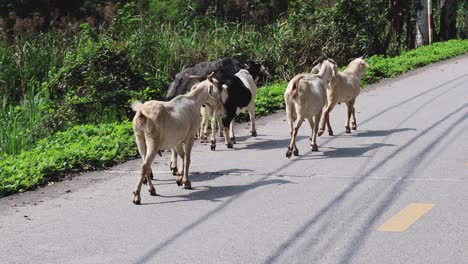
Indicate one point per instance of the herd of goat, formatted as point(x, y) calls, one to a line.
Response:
point(219, 90)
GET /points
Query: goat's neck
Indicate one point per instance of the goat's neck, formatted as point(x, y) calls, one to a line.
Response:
point(198, 96)
point(325, 74)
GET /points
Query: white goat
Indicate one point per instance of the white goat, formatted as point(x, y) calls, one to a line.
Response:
point(214, 113)
point(344, 88)
point(305, 97)
point(162, 125)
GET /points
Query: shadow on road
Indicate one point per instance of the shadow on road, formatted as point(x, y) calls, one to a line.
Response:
point(353, 152)
point(218, 193)
point(358, 240)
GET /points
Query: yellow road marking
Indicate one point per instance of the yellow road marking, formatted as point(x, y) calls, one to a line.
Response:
point(405, 218)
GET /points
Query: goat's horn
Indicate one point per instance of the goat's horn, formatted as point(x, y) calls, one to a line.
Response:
point(332, 61)
point(191, 76)
point(210, 77)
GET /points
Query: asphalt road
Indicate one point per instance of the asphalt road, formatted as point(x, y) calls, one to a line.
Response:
point(251, 204)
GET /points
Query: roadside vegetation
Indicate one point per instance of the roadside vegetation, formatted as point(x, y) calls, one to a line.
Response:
point(66, 88)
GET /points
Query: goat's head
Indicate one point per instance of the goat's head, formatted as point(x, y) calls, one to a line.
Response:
point(316, 68)
point(210, 87)
point(358, 66)
point(327, 69)
point(258, 71)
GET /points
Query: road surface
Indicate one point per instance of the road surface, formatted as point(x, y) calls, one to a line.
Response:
point(394, 191)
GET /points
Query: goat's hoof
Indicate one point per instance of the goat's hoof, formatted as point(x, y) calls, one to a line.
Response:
point(354, 127)
point(202, 141)
point(136, 198)
point(145, 182)
point(213, 147)
point(296, 152)
point(320, 132)
point(347, 130)
point(314, 147)
point(330, 133)
point(229, 145)
point(187, 185)
point(179, 180)
point(288, 153)
point(174, 171)
point(221, 134)
point(152, 192)
point(233, 140)
point(151, 175)
point(254, 133)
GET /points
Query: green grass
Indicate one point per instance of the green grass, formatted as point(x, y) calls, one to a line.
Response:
point(90, 147)
point(21, 124)
point(270, 98)
point(382, 67)
point(81, 148)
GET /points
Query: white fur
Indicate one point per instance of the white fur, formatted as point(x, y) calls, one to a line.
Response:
point(308, 102)
point(169, 125)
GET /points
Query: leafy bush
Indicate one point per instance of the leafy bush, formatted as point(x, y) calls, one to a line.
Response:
point(388, 67)
point(82, 148)
point(270, 98)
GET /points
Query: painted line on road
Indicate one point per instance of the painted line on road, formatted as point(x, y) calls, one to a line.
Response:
point(405, 218)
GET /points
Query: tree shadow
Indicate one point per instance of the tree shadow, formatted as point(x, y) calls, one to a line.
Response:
point(205, 176)
point(269, 144)
point(382, 133)
point(288, 243)
point(353, 152)
point(217, 193)
point(388, 199)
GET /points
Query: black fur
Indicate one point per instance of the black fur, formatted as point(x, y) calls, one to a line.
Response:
point(183, 84)
point(239, 95)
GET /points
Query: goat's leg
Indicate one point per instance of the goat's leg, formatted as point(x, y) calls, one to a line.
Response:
point(350, 107)
point(353, 121)
point(292, 144)
point(145, 172)
point(173, 165)
point(213, 131)
point(314, 123)
point(326, 119)
point(204, 123)
point(220, 123)
point(291, 117)
point(231, 132)
point(187, 158)
point(316, 126)
point(228, 122)
point(253, 130)
point(181, 152)
point(348, 117)
point(141, 144)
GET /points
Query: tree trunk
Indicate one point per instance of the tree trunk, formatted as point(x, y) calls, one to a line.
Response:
point(448, 19)
point(422, 30)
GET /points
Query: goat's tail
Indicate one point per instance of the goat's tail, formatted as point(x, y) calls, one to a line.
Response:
point(136, 105)
point(294, 89)
point(140, 117)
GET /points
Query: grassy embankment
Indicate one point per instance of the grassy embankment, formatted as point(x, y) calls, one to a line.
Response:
point(91, 147)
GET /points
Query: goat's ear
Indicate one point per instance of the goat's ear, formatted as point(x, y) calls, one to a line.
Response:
point(364, 63)
point(210, 77)
point(210, 89)
point(334, 71)
point(332, 61)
